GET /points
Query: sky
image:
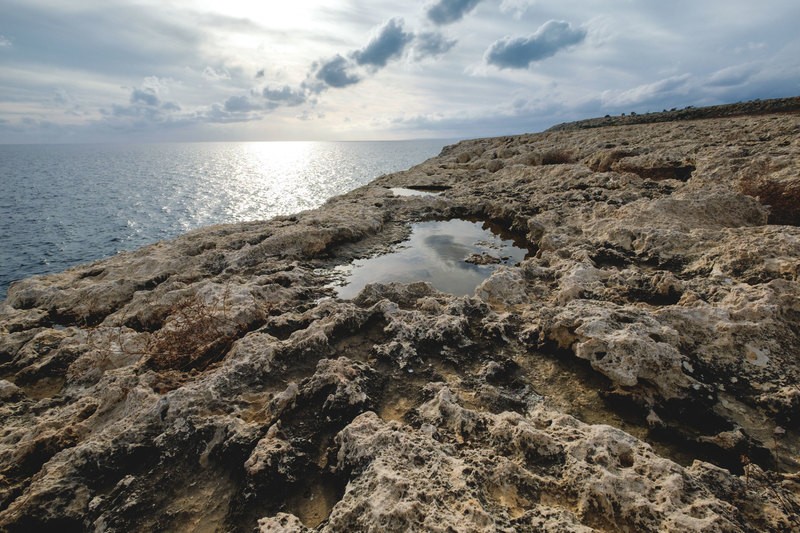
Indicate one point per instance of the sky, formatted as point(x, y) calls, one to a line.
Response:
point(238, 70)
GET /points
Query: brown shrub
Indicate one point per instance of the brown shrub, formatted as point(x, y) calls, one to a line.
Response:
point(557, 157)
point(194, 336)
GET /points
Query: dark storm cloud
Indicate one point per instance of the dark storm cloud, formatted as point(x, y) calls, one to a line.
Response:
point(335, 72)
point(390, 42)
point(520, 52)
point(432, 44)
point(448, 11)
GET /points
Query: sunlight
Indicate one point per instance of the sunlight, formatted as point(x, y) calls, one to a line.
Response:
point(272, 178)
point(283, 158)
point(283, 15)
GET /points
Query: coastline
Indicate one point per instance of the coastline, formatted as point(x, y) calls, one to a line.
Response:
point(72, 204)
point(638, 370)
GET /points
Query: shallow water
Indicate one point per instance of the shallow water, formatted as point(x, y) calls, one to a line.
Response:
point(436, 252)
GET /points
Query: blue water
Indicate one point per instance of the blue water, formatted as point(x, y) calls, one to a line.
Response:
point(61, 205)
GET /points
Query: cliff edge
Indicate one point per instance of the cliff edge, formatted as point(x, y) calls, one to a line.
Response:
point(639, 370)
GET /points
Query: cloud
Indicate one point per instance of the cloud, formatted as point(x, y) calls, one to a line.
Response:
point(432, 44)
point(449, 11)
point(516, 7)
point(390, 42)
point(660, 91)
point(218, 113)
point(520, 115)
point(520, 52)
point(285, 96)
point(63, 97)
point(334, 73)
point(624, 58)
point(240, 104)
point(146, 103)
point(732, 76)
point(146, 96)
point(117, 38)
point(212, 74)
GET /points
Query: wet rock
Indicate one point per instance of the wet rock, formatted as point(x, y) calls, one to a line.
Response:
point(482, 259)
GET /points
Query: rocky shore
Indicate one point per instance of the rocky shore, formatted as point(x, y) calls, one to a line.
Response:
point(639, 370)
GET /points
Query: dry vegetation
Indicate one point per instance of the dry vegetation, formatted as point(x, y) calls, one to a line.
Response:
point(782, 198)
point(557, 157)
point(196, 335)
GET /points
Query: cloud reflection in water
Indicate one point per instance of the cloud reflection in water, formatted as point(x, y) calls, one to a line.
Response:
point(435, 252)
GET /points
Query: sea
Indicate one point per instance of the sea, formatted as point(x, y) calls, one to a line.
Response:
point(66, 204)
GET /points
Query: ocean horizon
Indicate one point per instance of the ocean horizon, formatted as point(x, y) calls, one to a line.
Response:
point(68, 204)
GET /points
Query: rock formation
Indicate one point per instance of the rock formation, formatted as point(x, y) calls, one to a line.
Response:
point(638, 371)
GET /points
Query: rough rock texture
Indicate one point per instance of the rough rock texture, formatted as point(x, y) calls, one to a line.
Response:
point(639, 371)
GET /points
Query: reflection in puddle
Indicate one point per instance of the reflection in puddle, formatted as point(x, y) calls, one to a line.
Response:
point(455, 256)
point(402, 191)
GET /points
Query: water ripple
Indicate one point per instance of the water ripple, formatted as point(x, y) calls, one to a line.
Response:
point(68, 204)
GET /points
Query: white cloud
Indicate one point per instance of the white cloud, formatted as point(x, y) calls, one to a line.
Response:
point(199, 69)
point(212, 74)
point(731, 76)
point(516, 7)
point(659, 91)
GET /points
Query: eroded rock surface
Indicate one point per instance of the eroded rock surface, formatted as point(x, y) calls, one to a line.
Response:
point(639, 371)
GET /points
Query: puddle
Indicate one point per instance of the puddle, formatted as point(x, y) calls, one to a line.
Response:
point(402, 191)
point(455, 256)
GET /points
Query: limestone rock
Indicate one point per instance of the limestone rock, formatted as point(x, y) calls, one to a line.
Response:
point(638, 371)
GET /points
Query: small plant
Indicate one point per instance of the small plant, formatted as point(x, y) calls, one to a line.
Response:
point(770, 483)
point(557, 157)
point(195, 336)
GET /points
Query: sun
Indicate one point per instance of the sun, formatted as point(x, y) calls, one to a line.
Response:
point(283, 15)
